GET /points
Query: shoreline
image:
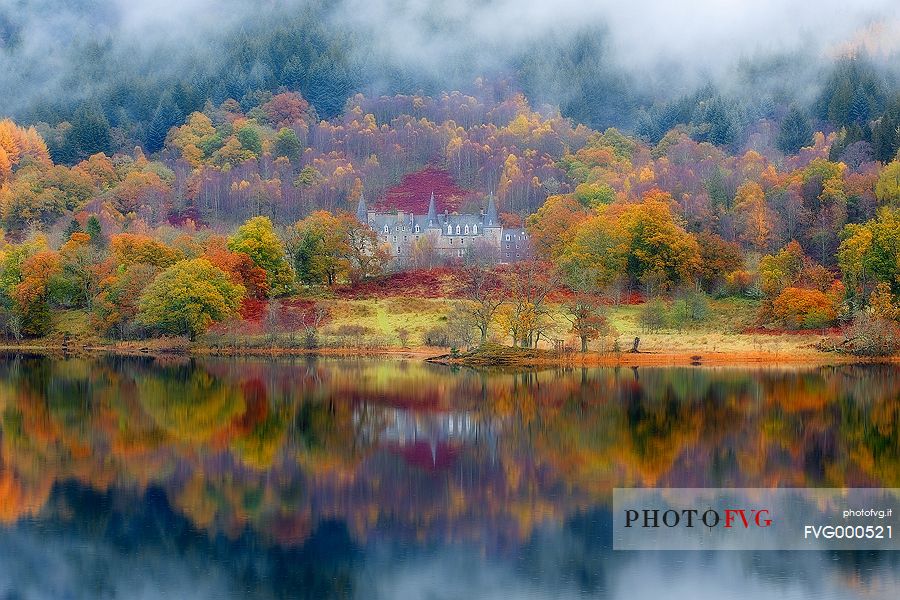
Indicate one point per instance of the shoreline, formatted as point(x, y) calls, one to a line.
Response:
point(529, 359)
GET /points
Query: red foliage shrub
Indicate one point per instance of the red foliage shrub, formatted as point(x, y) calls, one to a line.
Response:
point(296, 313)
point(292, 314)
point(253, 309)
point(798, 308)
point(442, 282)
point(188, 217)
point(414, 191)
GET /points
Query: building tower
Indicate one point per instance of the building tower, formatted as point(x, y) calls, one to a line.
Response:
point(431, 219)
point(490, 217)
point(362, 213)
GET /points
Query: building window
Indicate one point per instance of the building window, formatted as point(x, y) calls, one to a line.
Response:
point(417, 238)
point(417, 229)
point(467, 230)
point(451, 241)
point(395, 238)
point(406, 239)
point(398, 249)
point(462, 241)
point(386, 230)
point(475, 229)
point(507, 237)
point(449, 229)
point(457, 230)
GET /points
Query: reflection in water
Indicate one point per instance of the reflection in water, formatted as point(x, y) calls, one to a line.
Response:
point(250, 478)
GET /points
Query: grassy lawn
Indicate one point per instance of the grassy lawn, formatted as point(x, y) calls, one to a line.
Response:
point(384, 317)
point(720, 333)
point(729, 315)
point(375, 322)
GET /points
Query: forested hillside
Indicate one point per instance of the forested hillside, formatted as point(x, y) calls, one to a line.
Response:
point(107, 75)
point(811, 233)
point(240, 157)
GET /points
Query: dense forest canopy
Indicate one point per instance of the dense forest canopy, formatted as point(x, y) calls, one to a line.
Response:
point(142, 69)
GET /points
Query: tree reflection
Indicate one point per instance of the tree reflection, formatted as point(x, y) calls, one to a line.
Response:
point(419, 452)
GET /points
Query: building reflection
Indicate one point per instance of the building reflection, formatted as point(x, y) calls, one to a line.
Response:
point(427, 439)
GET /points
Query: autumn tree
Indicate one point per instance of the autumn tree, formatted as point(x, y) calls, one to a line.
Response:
point(141, 191)
point(257, 239)
point(718, 260)
point(195, 140)
point(188, 297)
point(887, 188)
point(101, 170)
point(238, 266)
point(115, 306)
point(526, 312)
point(20, 147)
point(286, 109)
point(41, 194)
point(595, 256)
point(31, 295)
point(750, 204)
point(484, 295)
point(883, 304)
point(365, 256)
point(584, 312)
point(78, 261)
point(307, 178)
point(319, 248)
point(781, 270)
point(870, 252)
point(14, 262)
point(133, 248)
point(423, 252)
point(553, 223)
point(824, 194)
point(799, 308)
point(660, 252)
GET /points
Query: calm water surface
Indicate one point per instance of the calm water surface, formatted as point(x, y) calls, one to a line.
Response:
point(143, 478)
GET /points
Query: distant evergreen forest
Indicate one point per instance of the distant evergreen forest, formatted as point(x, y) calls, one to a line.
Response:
point(116, 94)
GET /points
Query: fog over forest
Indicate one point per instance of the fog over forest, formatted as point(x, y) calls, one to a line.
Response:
point(603, 63)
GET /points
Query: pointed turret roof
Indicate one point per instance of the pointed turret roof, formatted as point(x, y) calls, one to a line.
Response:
point(362, 213)
point(432, 211)
point(490, 217)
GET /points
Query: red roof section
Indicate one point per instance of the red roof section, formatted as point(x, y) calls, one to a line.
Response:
point(414, 191)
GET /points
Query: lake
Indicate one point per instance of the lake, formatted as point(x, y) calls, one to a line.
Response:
point(301, 478)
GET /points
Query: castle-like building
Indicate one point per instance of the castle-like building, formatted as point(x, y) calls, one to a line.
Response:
point(452, 236)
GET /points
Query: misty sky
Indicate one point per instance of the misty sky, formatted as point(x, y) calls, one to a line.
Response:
point(705, 33)
point(668, 45)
